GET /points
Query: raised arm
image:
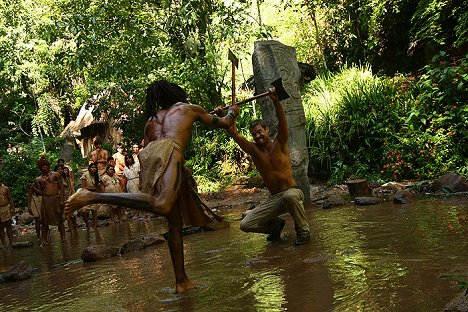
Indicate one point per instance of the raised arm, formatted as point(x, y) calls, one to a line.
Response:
point(282, 135)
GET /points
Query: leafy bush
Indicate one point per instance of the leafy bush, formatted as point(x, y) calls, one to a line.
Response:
point(214, 157)
point(399, 128)
point(349, 116)
point(19, 170)
point(434, 139)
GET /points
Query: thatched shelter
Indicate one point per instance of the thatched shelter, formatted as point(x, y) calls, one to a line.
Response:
point(87, 128)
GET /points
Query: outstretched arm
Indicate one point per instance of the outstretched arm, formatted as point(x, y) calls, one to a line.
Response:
point(243, 143)
point(282, 135)
point(215, 121)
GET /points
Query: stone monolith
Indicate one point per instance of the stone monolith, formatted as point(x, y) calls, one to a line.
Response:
point(272, 60)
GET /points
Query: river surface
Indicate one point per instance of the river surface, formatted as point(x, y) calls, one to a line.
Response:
point(361, 258)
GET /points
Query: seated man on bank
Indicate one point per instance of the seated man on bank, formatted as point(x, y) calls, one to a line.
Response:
point(273, 161)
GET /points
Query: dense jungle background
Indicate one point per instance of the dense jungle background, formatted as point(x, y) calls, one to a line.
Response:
point(384, 87)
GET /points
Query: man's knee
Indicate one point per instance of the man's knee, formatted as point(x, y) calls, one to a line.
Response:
point(291, 198)
point(246, 225)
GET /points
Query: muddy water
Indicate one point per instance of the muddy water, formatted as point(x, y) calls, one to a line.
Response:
point(375, 258)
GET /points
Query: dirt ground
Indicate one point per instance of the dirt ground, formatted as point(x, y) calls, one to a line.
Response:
point(242, 195)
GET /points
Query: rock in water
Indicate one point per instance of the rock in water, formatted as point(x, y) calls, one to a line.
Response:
point(19, 272)
point(153, 239)
point(458, 304)
point(362, 201)
point(333, 201)
point(132, 245)
point(216, 225)
point(404, 197)
point(450, 182)
point(98, 252)
point(21, 244)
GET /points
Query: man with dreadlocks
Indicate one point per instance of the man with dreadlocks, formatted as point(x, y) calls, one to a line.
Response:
point(167, 133)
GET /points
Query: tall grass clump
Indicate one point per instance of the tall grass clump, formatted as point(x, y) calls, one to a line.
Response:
point(350, 114)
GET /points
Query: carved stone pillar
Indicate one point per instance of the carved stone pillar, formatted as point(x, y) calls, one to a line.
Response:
point(272, 60)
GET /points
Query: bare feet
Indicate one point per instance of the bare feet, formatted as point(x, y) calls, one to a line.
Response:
point(81, 198)
point(185, 286)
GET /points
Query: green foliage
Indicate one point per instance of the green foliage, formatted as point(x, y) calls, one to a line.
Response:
point(19, 170)
point(440, 23)
point(435, 136)
point(214, 157)
point(404, 128)
point(349, 116)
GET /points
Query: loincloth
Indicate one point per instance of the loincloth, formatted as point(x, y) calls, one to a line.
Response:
point(154, 159)
point(51, 211)
point(35, 205)
point(5, 213)
point(194, 211)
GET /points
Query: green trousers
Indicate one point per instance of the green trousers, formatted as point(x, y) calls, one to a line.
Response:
point(264, 217)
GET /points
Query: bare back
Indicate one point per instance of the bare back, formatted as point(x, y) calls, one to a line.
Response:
point(176, 123)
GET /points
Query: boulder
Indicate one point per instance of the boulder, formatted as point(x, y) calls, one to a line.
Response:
point(333, 201)
point(25, 219)
point(21, 244)
point(153, 239)
point(19, 272)
point(363, 201)
point(216, 225)
point(404, 197)
point(272, 60)
point(132, 245)
point(390, 187)
point(451, 183)
point(98, 252)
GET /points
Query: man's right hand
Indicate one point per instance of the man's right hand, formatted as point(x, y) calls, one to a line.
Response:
point(272, 94)
point(219, 111)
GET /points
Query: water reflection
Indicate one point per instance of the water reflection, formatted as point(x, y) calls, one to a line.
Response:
point(377, 258)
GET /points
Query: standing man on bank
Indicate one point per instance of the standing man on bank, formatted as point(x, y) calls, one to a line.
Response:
point(7, 210)
point(272, 158)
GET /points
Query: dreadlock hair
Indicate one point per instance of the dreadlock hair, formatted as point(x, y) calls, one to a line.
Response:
point(163, 94)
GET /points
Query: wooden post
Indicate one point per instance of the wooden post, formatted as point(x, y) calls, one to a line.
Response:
point(358, 188)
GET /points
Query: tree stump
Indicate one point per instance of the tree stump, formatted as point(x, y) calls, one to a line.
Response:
point(358, 188)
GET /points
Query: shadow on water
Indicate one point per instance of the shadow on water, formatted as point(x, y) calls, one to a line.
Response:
point(373, 258)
